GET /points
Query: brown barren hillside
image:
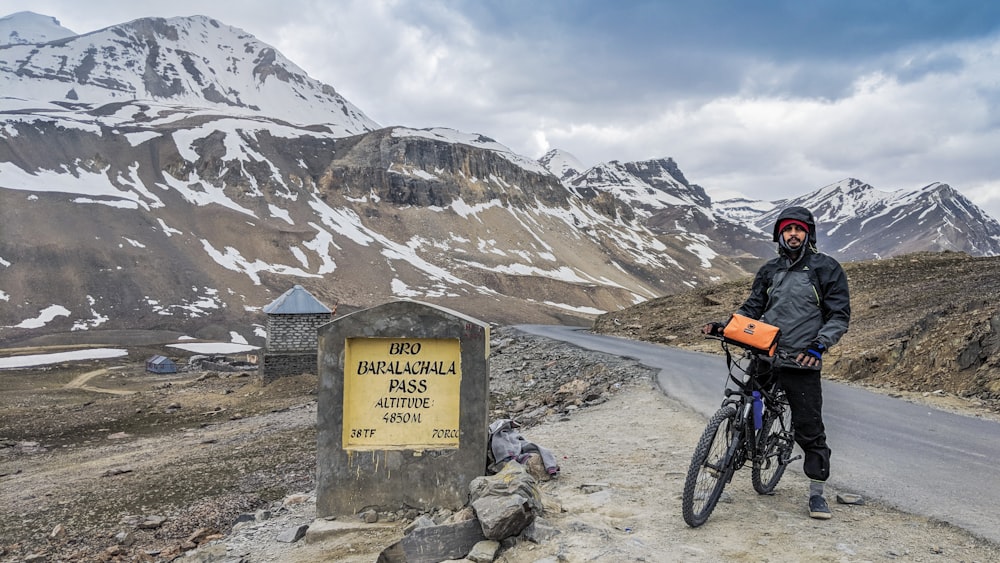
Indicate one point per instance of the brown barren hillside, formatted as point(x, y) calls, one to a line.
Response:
point(921, 322)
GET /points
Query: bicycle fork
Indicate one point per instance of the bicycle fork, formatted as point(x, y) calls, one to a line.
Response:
point(736, 453)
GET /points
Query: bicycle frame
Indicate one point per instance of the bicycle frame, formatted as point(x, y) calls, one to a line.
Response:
point(745, 445)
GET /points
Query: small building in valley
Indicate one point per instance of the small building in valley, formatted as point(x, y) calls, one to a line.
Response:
point(161, 364)
point(292, 338)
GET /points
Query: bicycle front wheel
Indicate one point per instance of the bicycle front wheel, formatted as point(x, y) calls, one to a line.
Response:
point(774, 448)
point(710, 468)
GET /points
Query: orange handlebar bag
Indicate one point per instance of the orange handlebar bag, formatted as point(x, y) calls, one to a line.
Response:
point(751, 333)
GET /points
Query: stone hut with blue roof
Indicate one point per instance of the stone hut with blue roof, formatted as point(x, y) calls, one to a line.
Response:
point(292, 341)
point(161, 364)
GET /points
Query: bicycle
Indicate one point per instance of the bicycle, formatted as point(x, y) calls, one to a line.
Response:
point(752, 425)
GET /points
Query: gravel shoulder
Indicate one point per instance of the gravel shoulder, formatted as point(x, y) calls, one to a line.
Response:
point(235, 448)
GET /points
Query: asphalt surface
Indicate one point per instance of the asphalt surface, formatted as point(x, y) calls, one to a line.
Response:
point(913, 457)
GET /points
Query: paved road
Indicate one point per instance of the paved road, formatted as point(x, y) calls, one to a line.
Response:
point(916, 458)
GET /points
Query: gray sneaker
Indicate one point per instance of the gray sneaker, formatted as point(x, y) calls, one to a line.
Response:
point(818, 508)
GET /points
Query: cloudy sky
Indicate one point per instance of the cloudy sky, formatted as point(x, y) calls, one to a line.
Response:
point(765, 98)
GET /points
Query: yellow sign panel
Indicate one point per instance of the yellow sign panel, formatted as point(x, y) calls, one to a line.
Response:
point(401, 393)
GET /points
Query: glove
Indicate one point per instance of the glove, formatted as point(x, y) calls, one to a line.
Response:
point(714, 329)
point(816, 349)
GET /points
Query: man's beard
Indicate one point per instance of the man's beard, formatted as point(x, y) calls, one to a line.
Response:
point(788, 250)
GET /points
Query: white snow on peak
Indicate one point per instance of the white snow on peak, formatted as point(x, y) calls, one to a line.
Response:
point(561, 163)
point(845, 200)
point(24, 28)
point(615, 178)
point(447, 135)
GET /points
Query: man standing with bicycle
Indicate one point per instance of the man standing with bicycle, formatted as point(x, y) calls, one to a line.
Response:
point(805, 294)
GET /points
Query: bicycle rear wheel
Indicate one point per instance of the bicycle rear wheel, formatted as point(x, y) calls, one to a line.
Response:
point(710, 469)
point(774, 448)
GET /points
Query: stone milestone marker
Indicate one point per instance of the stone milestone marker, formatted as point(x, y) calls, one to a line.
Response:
point(403, 407)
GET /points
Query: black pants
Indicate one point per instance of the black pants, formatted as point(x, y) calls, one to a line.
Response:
point(805, 395)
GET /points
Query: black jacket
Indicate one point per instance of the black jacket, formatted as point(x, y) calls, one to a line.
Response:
point(807, 298)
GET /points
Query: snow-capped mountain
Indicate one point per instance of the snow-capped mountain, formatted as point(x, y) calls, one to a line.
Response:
point(178, 175)
point(858, 222)
point(195, 62)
